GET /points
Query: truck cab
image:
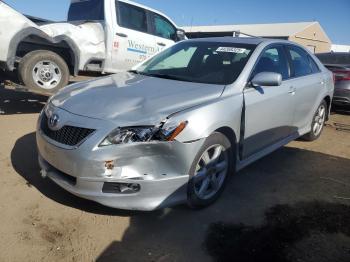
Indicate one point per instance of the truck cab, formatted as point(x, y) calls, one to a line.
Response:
point(106, 36)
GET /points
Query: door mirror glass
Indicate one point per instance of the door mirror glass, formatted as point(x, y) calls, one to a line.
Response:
point(180, 34)
point(267, 79)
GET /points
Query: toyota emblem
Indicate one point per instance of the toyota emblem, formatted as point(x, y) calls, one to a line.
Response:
point(53, 121)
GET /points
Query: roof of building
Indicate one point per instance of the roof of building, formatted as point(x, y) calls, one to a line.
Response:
point(275, 30)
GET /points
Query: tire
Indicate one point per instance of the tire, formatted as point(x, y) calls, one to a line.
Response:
point(318, 122)
point(43, 71)
point(198, 197)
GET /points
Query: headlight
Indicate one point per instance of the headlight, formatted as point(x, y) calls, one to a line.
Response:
point(143, 134)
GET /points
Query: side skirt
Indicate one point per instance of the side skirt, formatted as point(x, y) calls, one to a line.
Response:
point(245, 162)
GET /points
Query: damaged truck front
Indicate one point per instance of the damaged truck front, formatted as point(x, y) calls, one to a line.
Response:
point(104, 36)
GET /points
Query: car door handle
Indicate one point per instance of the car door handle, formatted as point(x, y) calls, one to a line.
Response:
point(161, 44)
point(121, 34)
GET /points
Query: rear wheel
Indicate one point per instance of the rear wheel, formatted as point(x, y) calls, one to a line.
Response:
point(209, 171)
point(44, 71)
point(318, 122)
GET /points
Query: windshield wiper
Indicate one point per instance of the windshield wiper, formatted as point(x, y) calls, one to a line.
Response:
point(134, 72)
point(165, 76)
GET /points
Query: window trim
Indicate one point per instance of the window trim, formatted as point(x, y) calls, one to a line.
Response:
point(153, 26)
point(313, 60)
point(270, 46)
point(117, 5)
point(288, 48)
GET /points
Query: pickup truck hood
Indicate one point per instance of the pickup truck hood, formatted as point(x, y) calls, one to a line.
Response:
point(130, 99)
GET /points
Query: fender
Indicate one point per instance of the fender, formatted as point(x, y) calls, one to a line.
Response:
point(16, 40)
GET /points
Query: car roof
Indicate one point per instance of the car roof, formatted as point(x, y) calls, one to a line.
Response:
point(239, 40)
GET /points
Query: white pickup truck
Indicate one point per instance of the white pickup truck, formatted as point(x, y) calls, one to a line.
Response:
point(104, 36)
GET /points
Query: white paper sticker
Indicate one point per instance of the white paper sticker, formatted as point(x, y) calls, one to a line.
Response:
point(228, 49)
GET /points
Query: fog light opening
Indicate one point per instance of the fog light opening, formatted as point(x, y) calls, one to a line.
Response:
point(121, 188)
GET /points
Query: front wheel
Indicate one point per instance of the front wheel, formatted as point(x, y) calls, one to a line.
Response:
point(44, 71)
point(318, 122)
point(209, 171)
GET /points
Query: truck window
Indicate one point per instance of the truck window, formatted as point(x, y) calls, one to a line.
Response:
point(164, 28)
point(131, 17)
point(81, 10)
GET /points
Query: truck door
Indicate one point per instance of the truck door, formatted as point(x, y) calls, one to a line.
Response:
point(165, 33)
point(132, 42)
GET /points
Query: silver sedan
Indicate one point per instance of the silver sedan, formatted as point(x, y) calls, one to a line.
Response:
point(174, 129)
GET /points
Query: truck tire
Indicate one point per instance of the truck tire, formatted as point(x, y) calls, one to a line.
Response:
point(43, 71)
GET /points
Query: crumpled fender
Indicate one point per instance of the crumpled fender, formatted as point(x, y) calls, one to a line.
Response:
point(11, 23)
point(89, 37)
point(85, 40)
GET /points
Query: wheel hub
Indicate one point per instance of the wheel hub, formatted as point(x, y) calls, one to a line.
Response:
point(46, 74)
point(211, 172)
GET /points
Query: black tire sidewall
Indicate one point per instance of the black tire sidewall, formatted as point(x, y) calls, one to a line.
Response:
point(214, 139)
point(30, 60)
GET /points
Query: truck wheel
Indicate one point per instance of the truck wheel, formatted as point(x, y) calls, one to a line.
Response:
point(43, 71)
point(209, 171)
point(318, 122)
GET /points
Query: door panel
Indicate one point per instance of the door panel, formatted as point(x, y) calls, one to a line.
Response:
point(307, 96)
point(308, 81)
point(132, 41)
point(269, 110)
point(268, 117)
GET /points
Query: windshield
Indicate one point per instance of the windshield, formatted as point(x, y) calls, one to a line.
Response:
point(82, 10)
point(202, 62)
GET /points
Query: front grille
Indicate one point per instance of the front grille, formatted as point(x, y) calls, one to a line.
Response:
point(67, 135)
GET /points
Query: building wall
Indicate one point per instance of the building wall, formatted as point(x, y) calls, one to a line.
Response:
point(314, 38)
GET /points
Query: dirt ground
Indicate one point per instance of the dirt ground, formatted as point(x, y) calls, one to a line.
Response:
point(41, 222)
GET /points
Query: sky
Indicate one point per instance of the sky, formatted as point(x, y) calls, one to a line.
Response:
point(333, 15)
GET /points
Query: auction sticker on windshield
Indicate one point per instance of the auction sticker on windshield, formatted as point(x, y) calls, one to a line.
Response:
point(228, 49)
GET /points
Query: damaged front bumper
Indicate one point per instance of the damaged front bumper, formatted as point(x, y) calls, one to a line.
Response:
point(140, 176)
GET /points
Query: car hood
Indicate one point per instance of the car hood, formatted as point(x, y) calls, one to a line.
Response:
point(130, 99)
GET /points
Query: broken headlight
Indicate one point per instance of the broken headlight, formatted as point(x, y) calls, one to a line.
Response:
point(143, 134)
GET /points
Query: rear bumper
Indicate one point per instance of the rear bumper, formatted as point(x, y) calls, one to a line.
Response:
point(342, 93)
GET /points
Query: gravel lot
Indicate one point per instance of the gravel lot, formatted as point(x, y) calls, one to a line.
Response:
point(41, 222)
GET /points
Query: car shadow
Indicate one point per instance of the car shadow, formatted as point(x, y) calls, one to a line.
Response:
point(287, 176)
point(18, 102)
point(24, 158)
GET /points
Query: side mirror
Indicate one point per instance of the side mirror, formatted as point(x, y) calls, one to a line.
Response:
point(267, 79)
point(180, 33)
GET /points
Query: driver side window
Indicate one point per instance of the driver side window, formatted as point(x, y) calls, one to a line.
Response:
point(163, 28)
point(273, 60)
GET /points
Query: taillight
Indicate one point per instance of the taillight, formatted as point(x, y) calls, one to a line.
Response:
point(341, 75)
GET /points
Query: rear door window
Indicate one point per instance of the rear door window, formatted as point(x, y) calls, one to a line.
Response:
point(314, 66)
point(86, 10)
point(132, 17)
point(300, 61)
